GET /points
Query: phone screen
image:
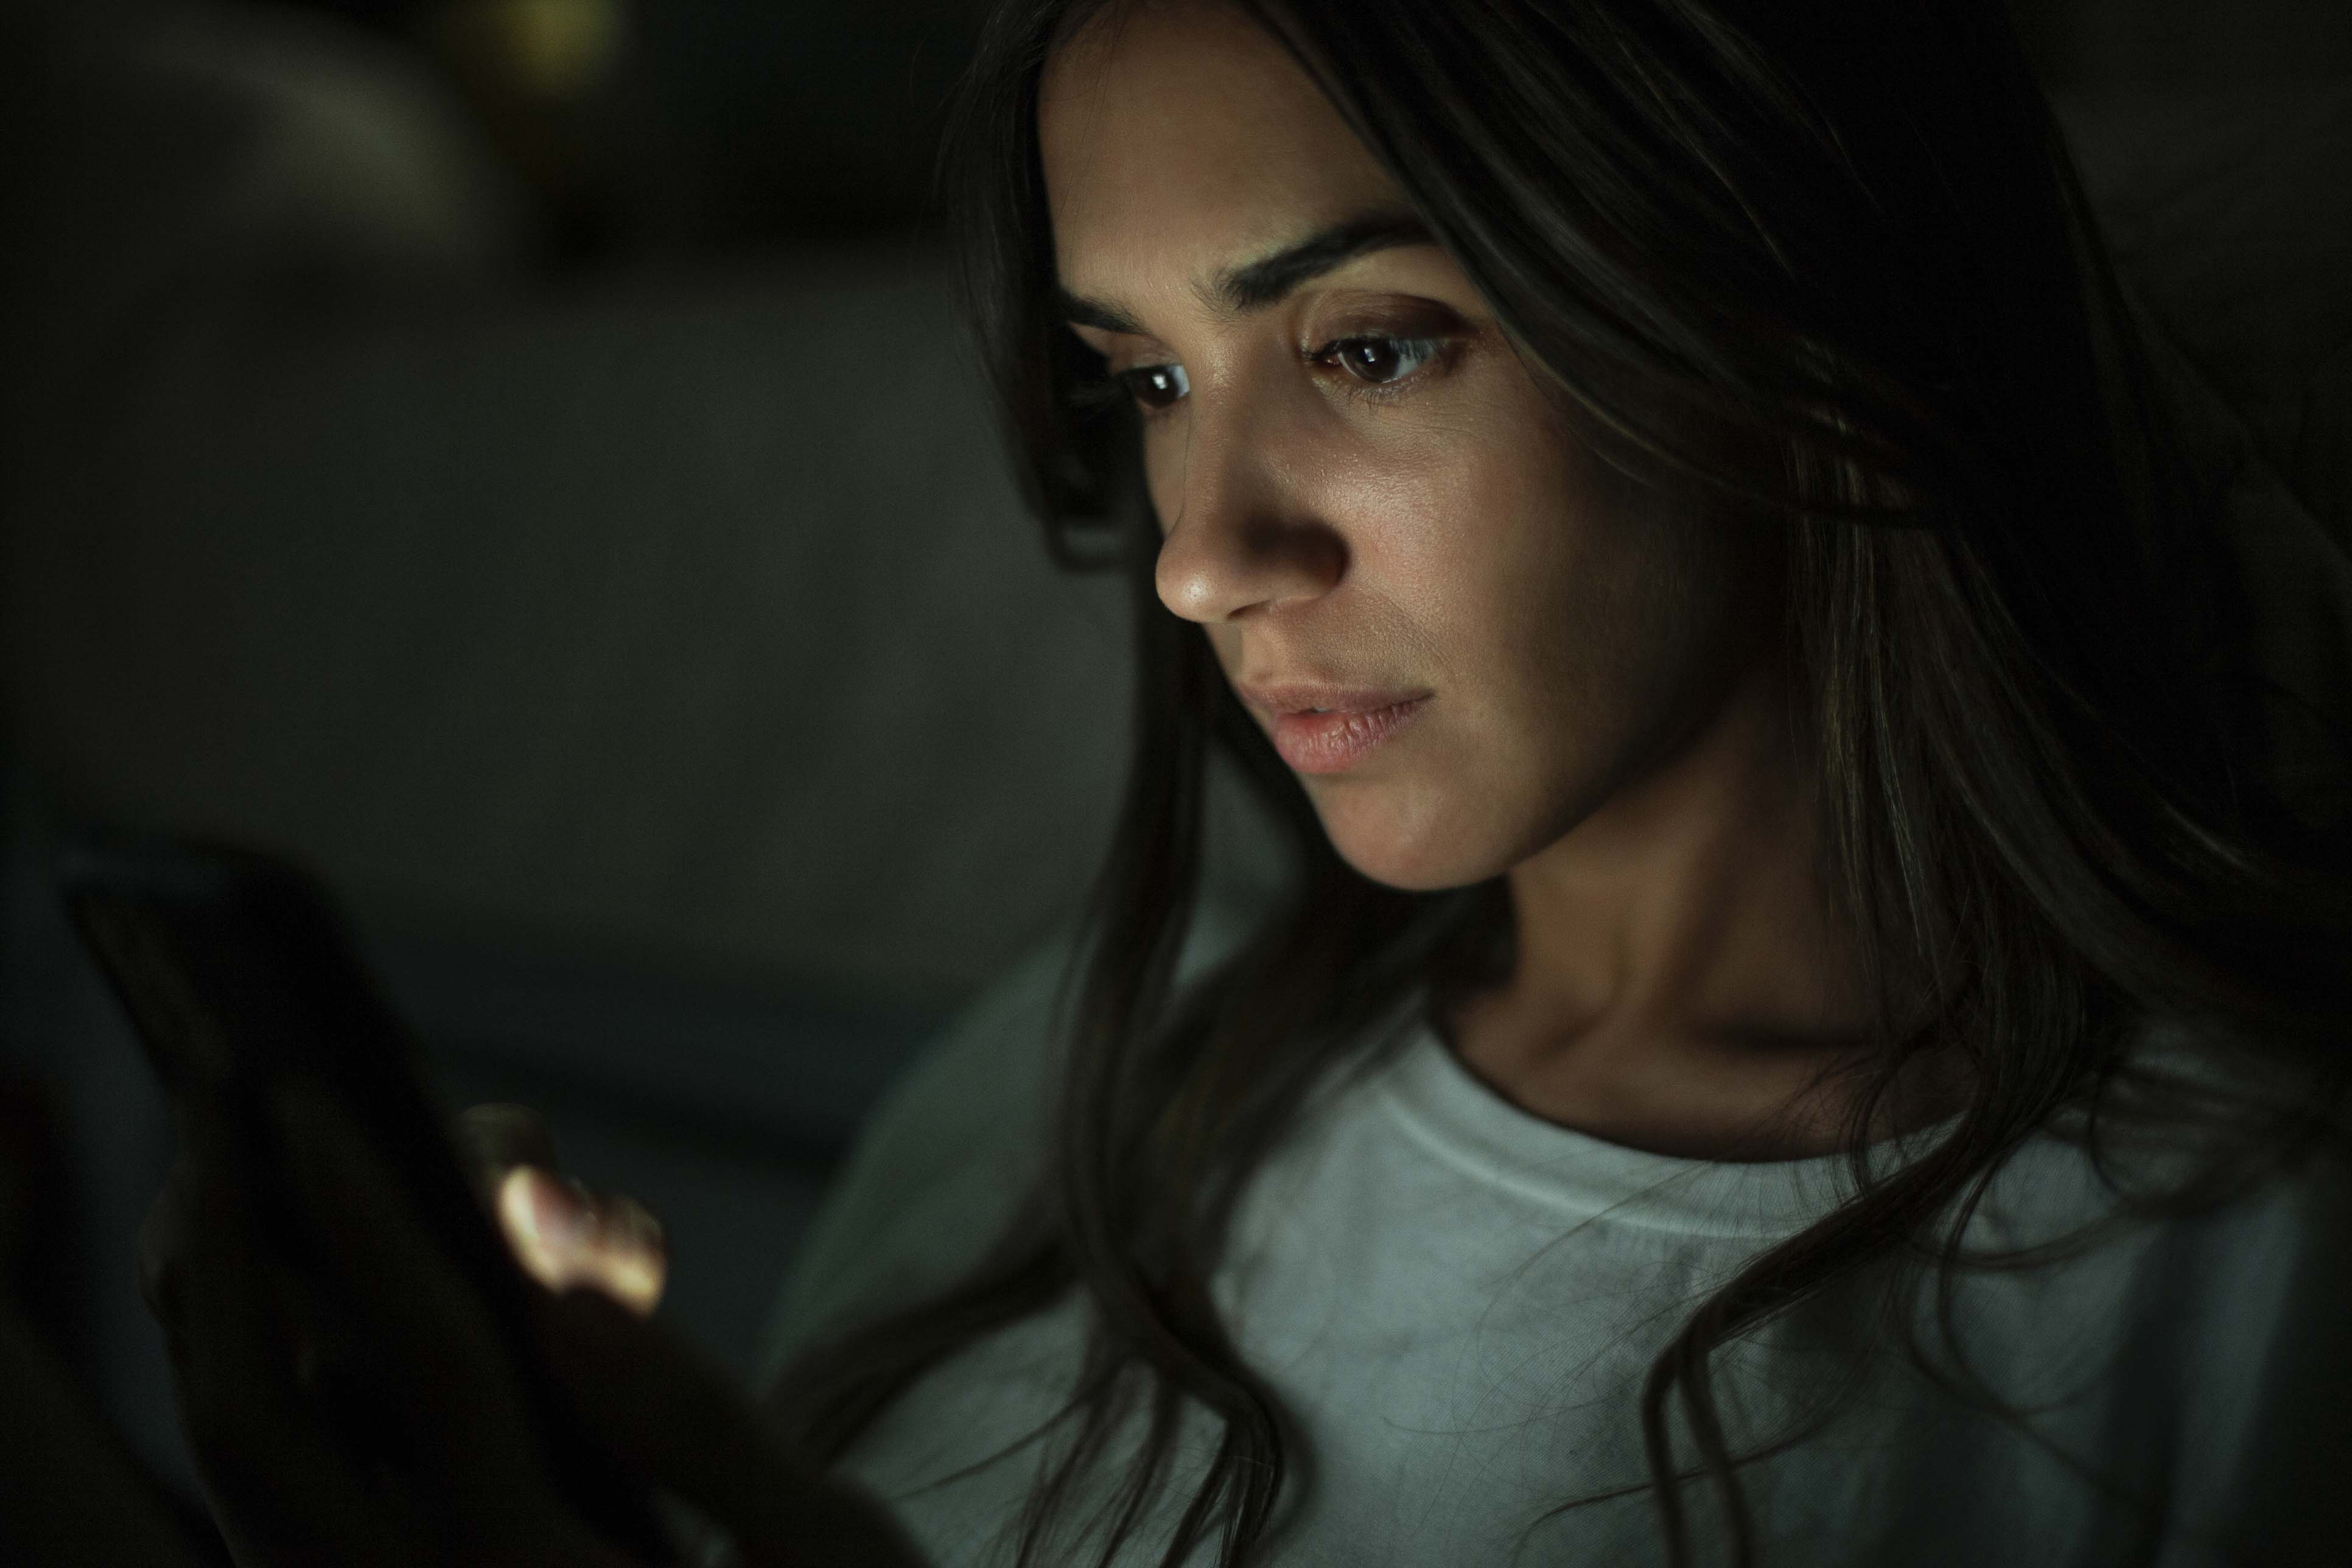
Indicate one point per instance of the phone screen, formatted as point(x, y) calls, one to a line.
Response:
point(239, 974)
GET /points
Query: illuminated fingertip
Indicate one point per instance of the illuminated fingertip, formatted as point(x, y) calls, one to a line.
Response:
point(553, 1236)
point(521, 1208)
point(634, 1279)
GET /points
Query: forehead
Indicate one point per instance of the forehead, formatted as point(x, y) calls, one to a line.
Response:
point(1180, 138)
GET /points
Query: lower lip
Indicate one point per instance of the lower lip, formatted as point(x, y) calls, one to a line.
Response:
point(1334, 742)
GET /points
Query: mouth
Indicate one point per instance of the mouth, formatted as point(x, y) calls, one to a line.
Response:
point(1320, 729)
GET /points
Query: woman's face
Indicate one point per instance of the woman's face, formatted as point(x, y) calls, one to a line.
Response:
point(1367, 499)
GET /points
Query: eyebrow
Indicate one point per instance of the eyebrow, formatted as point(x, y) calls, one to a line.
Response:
point(1255, 285)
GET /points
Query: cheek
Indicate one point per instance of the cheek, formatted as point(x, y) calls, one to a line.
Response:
point(1473, 561)
point(1482, 539)
point(1569, 624)
point(1560, 616)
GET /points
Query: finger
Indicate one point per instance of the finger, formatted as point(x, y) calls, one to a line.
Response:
point(564, 1236)
point(444, 1359)
point(494, 1139)
point(660, 1408)
point(276, 1478)
point(563, 1233)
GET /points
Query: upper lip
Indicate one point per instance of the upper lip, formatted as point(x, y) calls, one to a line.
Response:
point(1301, 696)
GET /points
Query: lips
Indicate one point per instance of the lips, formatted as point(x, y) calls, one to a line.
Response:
point(1327, 729)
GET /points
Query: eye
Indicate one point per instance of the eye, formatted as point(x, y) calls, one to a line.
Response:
point(1156, 386)
point(1378, 361)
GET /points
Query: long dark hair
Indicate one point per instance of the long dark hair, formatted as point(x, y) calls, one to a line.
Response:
point(1845, 232)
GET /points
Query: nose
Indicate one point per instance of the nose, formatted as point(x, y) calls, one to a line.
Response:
point(1244, 532)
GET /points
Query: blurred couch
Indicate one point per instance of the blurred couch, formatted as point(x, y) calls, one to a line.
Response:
point(657, 661)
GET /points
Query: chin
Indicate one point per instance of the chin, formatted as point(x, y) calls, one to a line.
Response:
point(1404, 838)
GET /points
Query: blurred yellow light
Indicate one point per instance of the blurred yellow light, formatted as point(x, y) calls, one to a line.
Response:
point(547, 49)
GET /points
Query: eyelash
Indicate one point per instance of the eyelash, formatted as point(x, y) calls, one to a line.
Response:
point(1103, 389)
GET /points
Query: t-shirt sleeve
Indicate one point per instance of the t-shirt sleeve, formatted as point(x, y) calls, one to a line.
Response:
point(938, 1169)
point(953, 1148)
point(2267, 1474)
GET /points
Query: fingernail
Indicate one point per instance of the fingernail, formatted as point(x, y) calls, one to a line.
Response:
point(550, 1214)
point(526, 1219)
point(561, 1210)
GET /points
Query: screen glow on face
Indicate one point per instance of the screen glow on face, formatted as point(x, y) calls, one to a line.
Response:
point(1363, 489)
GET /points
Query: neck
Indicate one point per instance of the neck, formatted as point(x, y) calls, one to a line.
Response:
point(1680, 979)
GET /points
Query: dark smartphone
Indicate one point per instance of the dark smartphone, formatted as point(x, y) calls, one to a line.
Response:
point(239, 975)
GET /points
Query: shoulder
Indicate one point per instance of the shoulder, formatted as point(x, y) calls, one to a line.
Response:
point(946, 1158)
point(2267, 1292)
point(940, 1163)
point(2184, 1213)
point(2203, 1349)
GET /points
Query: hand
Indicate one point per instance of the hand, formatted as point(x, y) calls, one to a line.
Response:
point(561, 1233)
point(250, 1317)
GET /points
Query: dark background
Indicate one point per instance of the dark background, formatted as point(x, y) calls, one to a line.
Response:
point(519, 456)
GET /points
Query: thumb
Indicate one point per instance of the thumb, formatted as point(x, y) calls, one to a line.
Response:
point(564, 1234)
point(660, 1408)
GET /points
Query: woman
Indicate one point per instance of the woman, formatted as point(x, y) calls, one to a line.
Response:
point(1803, 1033)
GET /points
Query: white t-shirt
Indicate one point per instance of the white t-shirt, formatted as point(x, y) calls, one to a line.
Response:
point(1458, 1302)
